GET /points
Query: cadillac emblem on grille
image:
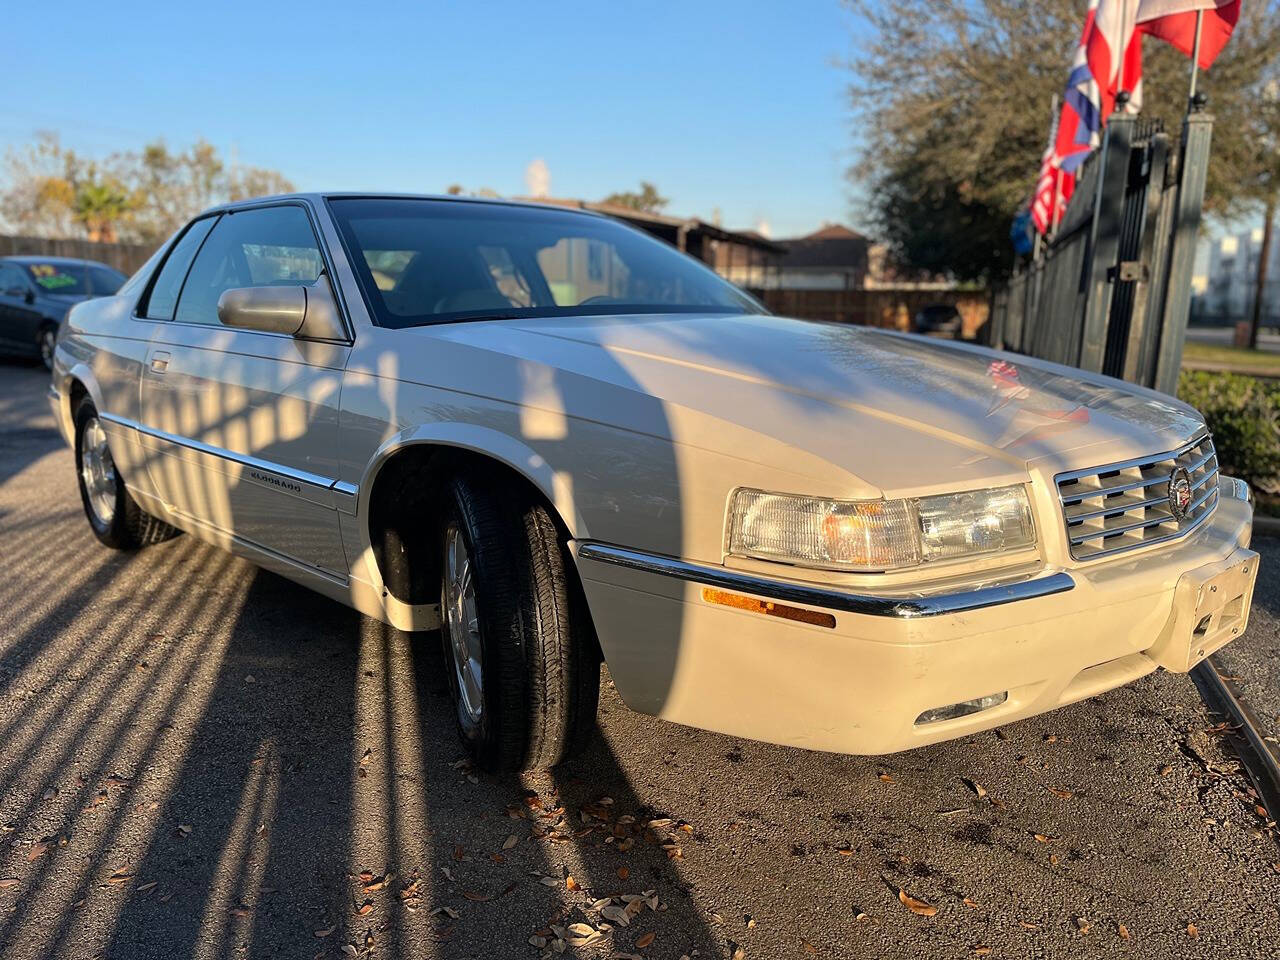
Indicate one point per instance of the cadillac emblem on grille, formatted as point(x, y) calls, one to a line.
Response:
point(1179, 493)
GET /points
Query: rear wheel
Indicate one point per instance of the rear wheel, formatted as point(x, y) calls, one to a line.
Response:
point(114, 516)
point(524, 667)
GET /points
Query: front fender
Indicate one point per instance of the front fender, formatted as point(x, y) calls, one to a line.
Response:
point(490, 443)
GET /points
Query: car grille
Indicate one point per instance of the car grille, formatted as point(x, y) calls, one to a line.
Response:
point(1124, 506)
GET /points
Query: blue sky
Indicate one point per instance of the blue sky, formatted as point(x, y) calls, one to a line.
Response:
point(738, 106)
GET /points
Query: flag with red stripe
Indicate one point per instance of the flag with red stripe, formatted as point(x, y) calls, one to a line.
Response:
point(1174, 22)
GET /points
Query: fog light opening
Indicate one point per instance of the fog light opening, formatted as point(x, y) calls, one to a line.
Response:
point(962, 709)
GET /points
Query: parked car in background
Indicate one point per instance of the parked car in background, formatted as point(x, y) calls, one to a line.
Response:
point(37, 292)
point(938, 320)
point(554, 438)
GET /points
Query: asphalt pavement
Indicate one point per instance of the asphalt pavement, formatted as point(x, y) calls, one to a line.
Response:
point(201, 759)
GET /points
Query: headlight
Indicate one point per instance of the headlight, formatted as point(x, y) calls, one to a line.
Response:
point(875, 535)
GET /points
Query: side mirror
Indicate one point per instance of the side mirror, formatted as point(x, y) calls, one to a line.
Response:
point(297, 311)
point(30, 295)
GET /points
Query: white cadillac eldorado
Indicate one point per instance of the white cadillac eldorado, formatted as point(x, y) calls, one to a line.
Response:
point(555, 439)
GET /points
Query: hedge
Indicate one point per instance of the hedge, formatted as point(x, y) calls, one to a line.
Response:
point(1244, 414)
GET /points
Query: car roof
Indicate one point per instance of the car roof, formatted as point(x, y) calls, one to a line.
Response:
point(321, 196)
point(35, 258)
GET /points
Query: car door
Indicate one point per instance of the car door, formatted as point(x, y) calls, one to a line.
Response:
point(245, 423)
point(19, 316)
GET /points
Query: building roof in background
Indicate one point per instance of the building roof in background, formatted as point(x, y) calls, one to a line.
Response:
point(645, 218)
point(831, 246)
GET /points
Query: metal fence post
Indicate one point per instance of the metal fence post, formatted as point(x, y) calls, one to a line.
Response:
point(1197, 130)
point(1104, 244)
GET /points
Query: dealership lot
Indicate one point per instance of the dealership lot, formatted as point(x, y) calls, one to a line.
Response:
point(202, 759)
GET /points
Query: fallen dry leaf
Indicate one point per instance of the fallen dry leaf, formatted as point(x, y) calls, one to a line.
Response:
point(976, 787)
point(981, 951)
point(120, 876)
point(571, 883)
point(375, 884)
point(1123, 931)
point(476, 896)
point(7, 882)
point(510, 842)
point(918, 907)
point(146, 887)
point(886, 778)
point(969, 902)
point(1082, 924)
point(325, 932)
point(1192, 931)
point(365, 908)
point(1060, 792)
point(623, 873)
point(808, 947)
point(645, 940)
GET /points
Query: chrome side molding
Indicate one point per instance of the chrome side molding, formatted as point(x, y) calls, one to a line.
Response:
point(827, 598)
point(298, 483)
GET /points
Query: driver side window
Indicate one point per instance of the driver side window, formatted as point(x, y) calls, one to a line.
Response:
point(269, 246)
point(12, 281)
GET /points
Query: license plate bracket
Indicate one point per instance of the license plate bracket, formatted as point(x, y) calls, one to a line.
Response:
point(1210, 609)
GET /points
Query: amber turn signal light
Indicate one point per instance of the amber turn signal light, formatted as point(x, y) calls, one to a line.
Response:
point(767, 607)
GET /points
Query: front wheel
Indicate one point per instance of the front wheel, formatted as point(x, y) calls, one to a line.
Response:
point(47, 342)
point(523, 664)
point(114, 516)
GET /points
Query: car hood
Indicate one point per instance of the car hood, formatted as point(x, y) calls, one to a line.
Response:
point(856, 396)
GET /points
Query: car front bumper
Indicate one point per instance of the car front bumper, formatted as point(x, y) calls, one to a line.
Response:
point(858, 686)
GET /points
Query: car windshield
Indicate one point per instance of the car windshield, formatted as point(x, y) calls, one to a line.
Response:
point(61, 278)
point(436, 261)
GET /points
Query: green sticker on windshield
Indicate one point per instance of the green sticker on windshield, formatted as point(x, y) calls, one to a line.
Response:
point(50, 277)
point(56, 281)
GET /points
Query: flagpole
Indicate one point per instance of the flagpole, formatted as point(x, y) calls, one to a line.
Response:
point(1057, 192)
point(1195, 56)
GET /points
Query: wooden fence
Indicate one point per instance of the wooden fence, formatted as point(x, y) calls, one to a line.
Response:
point(125, 257)
point(891, 307)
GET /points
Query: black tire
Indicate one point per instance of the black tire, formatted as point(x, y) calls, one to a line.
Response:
point(130, 527)
point(540, 657)
point(46, 340)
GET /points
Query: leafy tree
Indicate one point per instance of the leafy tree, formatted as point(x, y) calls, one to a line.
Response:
point(647, 200)
point(951, 103)
point(50, 190)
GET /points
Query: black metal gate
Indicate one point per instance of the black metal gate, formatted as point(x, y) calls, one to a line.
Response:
point(1111, 290)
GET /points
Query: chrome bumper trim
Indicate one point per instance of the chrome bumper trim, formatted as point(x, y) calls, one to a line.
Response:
point(901, 607)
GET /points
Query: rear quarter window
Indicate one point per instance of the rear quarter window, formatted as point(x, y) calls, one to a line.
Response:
point(164, 292)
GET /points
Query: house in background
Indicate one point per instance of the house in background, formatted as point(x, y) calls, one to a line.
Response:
point(742, 257)
point(1224, 293)
point(834, 273)
point(838, 274)
point(832, 258)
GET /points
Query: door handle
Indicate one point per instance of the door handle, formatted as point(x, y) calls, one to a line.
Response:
point(159, 362)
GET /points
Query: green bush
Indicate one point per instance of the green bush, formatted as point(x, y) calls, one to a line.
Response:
point(1244, 415)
